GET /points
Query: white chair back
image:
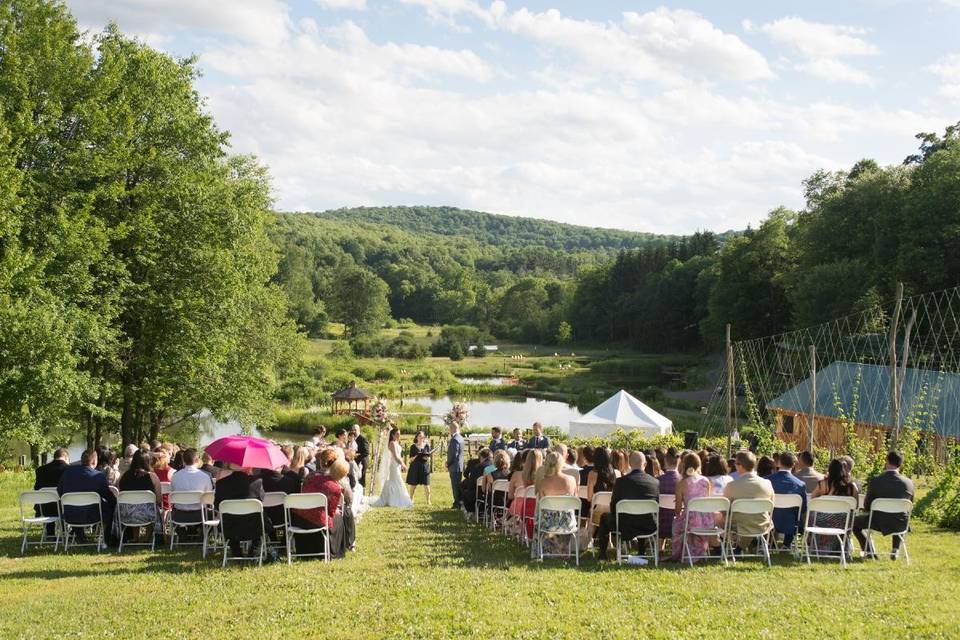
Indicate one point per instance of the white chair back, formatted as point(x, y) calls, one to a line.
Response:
point(573, 473)
point(184, 498)
point(273, 499)
point(501, 485)
point(601, 499)
point(80, 499)
point(668, 501)
point(38, 497)
point(137, 497)
point(892, 505)
point(165, 488)
point(831, 504)
point(712, 504)
point(583, 493)
point(751, 506)
point(787, 501)
point(638, 507)
point(530, 492)
point(244, 507)
point(559, 503)
point(305, 501)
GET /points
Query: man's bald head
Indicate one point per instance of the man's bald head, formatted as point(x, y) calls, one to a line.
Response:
point(638, 460)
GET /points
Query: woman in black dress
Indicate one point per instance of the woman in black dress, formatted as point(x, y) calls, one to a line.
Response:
point(418, 472)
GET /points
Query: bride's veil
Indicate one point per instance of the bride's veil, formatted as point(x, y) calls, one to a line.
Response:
point(382, 469)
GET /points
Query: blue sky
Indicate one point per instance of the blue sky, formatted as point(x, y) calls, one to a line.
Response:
point(665, 117)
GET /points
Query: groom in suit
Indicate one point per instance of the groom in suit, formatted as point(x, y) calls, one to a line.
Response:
point(455, 462)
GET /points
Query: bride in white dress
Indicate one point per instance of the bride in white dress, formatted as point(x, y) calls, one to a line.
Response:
point(394, 492)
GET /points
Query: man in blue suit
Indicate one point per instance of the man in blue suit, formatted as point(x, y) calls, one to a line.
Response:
point(787, 521)
point(538, 441)
point(455, 462)
point(85, 477)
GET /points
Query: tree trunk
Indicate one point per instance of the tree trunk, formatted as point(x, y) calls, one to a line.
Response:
point(156, 419)
point(127, 421)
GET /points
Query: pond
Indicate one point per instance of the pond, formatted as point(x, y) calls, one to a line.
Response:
point(502, 412)
point(494, 380)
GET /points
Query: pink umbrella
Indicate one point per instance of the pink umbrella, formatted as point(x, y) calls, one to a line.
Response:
point(247, 451)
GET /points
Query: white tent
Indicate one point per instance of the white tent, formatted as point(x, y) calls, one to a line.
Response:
point(621, 411)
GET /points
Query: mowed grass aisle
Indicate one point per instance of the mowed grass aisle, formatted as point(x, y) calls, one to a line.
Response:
point(426, 573)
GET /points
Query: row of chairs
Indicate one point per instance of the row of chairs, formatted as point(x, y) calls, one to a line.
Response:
point(213, 534)
point(494, 513)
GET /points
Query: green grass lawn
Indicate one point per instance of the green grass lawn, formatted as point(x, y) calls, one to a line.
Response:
point(425, 573)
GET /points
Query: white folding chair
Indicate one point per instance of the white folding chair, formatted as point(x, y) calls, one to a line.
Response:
point(132, 499)
point(30, 499)
point(639, 508)
point(583, 493)
point(305, 501)
point(788, 501)
point(704, 505)
point(481, 499)
point(165, 490)
point(79, 499)
point(525, 515)
point(828, 505)
point(275, 499)
point(179, 500)
point(499, 487)
point(600, 499)
point(244, 507)
point(210, 523)
point(573, 473)
point(749, 506)
point(891, 506)
point(553, 504)
point(668, 501)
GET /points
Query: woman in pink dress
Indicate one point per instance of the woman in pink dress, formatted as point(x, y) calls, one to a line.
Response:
point(533, 458)
point(692, 485)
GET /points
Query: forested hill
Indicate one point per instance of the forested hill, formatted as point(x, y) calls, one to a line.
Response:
point(499, 230)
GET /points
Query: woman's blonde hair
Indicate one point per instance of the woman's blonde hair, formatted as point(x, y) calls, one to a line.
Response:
point(552, 464)
point(501, 460)
point(299, 458)
point(328, 456)
point(339, 469)
point(690, 465)
point(530, 466)
point(160, 460)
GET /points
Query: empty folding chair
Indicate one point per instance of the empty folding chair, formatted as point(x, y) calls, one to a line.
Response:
point(839, 516)
point(639, 508)
point(245, 507)
point(893, 506)
point(558, 516)
point(28, 519)
point(88, 500)
point(212, 536)
point(136, 509)
point(186, 510)
point(498, 503)
point(788, 501)
point(699, 506)
point(749, 506)
point(305, 501)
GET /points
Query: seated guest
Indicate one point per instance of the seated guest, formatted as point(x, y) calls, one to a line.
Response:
point(208, 467)
point(889, 484)
point(139, 477)
point(587, 465)
point(298, 463)
point(718, 473)
point(501, 463)
point(653, 467)
point(691, 485)
point(561, 450)
point(85, 477)
point(107, 463)
point(572, 460)
point(240, 485)
point(475, 468)
point(516, 476)
point(837, 482)
point(160, 462)
point(553, 482)
point(732, 468)
point(177, 463)
point(602, 478)
point(189, 478)
point(848, 462)
point(327, 482)
point(668, 486)
point(319, 436)
point(497, 443)
point(765, 466)
point(518, 442)
point(787, 521)
point(532, 459)
point(635, 485)
point(806, 473)
point(48, 477)
point(749, 485)
point(124, 463)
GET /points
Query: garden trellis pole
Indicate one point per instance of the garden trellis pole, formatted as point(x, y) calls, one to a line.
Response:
point(813, 397)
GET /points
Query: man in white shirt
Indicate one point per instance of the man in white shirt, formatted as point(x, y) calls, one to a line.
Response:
point(189, 478)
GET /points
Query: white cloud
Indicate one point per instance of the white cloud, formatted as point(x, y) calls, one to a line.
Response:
point(947, 69)
point(262, 21)
point(821, 46)
point(445, 11)
point(355, 5)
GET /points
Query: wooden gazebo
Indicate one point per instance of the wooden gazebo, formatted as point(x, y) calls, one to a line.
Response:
point(348, 400)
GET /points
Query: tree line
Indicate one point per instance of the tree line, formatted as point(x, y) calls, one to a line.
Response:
point(135, 268)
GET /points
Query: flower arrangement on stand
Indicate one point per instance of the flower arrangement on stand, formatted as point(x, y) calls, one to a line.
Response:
point(379, 413)
point(458, 415)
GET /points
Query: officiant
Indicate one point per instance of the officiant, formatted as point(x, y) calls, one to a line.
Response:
point(418, 466)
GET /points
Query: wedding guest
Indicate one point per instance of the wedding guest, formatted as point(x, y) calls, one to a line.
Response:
point(668, 485)
point(474, 469)
point(587, 465)
point(618, 460)
point(501, 469)
point(653, 467)
point(538, 440)
point(553, 482)
point(532, 460)
point(279, 480)
point(239, 485)
point(889, 484)
point(635, 485)
point(836, 483)
point(418, 466)
point(48, 477)
point(298, 463)
point(319, 436)
point(139, 477)
point(340, 439)
point(326, 482)
point(497, 443)
point(124, 463)
point(177, 463)
point(805, 471)
point(848, 462)
point(85, 477)
point(718, 473)
point(189, 478)
point(691, 485)
point(732, 468)
point(749, 485)
point(602, 478)
point(208, 467)
point(765, 466)
point(787, 521)
point(572, 461)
